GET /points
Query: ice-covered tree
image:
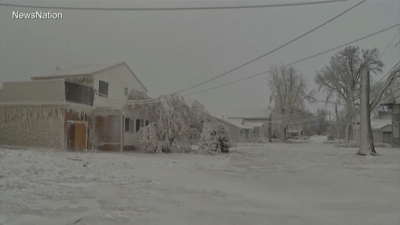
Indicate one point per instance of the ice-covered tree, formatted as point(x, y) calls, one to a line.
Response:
point(223, 138)
point(175, 123)
point(209, 141)
point(341, 78)
point(289, 95)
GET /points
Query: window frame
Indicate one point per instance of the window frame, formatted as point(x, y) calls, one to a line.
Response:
point(103, 93)
point(127, 121)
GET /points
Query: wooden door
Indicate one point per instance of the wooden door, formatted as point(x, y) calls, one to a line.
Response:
point(80, 136)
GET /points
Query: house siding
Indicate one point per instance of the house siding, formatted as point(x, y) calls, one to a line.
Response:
point(378, 136)
point(142, 115)
point(118, 78)
point(28, 126)
point(44, 90)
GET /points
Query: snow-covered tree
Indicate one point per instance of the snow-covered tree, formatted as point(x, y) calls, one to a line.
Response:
point(223, 138)
point(209, 141)
point(175, 123)
point(341, 78)
point(289, 95)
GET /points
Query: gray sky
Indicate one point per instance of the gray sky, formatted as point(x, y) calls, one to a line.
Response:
point(172, 50)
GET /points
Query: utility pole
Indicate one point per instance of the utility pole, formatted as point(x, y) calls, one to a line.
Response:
point(364, 106)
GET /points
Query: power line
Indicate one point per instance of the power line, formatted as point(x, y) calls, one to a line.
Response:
point(394, 38)
point(301, 60)
point(389, 71)
point(270, 52)
point(172, 9)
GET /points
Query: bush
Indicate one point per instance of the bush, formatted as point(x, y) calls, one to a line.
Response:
point(214, 139)
point(223, 139)
point(208, 142)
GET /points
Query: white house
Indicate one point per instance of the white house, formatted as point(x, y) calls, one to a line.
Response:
point(257, 120)
point(110, 126)
point(237, 131)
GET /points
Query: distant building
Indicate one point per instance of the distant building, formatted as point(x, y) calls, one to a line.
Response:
point(237, 131)
point(393, 103)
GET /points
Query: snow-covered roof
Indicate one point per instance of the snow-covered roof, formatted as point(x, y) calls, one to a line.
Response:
point(248, 114)
point(230, 121)
point(379, 123)
point(193, 102)
point(84, 71)
point(78, 71)
point(253, 124)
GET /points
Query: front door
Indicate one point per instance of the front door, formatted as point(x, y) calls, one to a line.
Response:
point(80, 136)
point(76, 136)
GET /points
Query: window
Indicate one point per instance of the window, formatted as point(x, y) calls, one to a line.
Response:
point(128, 125)
point(137, 125)
point(147, 122)
point(103, 89)
point(126, 91)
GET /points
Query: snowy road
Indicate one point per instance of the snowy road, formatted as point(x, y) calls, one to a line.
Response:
point(304, 183)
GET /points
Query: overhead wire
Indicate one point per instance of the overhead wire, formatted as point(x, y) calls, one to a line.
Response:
point(265, 72)
point(389, 72)
point(274, 50)
point(383, 53)
point(295, 62)
point(171, 9)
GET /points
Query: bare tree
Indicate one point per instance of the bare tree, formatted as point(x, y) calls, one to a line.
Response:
point(341, 78)
point(288, 93)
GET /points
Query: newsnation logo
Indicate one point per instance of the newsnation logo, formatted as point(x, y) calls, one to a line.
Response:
point(37, 15)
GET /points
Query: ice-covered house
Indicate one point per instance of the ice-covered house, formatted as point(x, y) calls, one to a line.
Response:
point(77, 108)
point(40, 113)
point(256, 120)
point(237, 131)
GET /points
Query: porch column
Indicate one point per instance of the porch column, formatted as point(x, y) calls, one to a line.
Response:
point(93, 132)
point(122, 132)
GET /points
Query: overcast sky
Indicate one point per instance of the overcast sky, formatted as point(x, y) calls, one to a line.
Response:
point(172, 50)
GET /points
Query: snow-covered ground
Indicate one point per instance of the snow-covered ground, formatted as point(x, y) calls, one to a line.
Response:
point(299, 183)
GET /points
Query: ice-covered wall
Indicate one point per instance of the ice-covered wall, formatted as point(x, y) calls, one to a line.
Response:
point(32, 126)
point(46, 90)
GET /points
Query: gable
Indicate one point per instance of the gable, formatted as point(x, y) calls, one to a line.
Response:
point(387, 128)
point(120, 76)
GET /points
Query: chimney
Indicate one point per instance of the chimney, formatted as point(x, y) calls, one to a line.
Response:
point(58, 68)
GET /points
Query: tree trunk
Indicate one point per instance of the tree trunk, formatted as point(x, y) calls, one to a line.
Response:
point(337, 123)
point(347, 138)
point(357, 136)
point(269, 129)
point(283, 133)
point(371, 145)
